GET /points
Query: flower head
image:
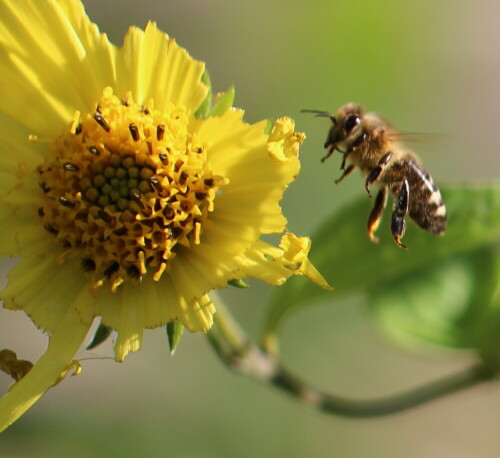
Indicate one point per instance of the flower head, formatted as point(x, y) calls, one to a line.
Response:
point(120, 201)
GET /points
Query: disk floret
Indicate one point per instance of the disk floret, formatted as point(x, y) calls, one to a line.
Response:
point(124, 186)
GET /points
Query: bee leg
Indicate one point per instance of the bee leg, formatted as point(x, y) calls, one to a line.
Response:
point(344, 158)
point(345, 173)
point(399, 212)
point(375, 173)
point(376, 214)
point(330, 152)
point(353, 147)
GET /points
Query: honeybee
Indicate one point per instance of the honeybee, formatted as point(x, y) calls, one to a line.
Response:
point(369, 142)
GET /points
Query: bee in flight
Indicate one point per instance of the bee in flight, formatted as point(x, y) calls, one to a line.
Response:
point(373, 145)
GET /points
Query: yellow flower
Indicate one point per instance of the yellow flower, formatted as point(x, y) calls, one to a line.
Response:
point(119, 200)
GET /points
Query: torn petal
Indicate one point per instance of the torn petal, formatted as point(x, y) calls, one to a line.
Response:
point(275, 265)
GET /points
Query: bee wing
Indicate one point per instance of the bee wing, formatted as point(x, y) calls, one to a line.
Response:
point(416, 137)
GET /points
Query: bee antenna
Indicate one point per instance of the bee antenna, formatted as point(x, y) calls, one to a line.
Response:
point(321, 114)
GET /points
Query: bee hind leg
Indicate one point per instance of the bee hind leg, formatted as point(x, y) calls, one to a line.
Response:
point(399, 212)
point(376, 214)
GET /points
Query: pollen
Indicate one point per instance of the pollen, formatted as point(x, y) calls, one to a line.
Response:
point(124, 187)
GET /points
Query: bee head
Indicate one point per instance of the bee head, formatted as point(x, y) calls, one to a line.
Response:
point(349, 117)
point(344, 124)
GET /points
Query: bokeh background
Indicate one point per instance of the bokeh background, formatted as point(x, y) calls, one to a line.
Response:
point(428, 66)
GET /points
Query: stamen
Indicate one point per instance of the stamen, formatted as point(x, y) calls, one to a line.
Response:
point(142, 266)
point(155, 183)
point(196, 233)
point(183, 178)
point(94, 150)
point(69, 167)
point(163, 158)
point(123, 207)
point(67, 202)
point(159, 272)
point(160, 132)
point(49, 228)
point(101, 121)
point(116, 283)
point(136, 196)
point(134, 131)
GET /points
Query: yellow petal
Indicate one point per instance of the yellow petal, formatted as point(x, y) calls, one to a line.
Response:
point(247, 207)
point(44, 290)
point(283, 141)
point(133, 308)
point(295, 254)
point(152, 65)
point(51, 57)
point(63, 344)
point(23, 156)
point(275, 265)
point(197, 314)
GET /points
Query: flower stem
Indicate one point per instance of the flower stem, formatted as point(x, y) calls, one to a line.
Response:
point(236, 351)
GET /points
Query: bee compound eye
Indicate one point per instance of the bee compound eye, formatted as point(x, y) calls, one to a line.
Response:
point(351, 122)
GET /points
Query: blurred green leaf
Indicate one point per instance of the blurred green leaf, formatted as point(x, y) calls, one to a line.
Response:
point(238, 283)
point(101, 334)
point(223, 102)
point(269, 126)
point(444, 303)
point(487, 333)
point(205, 107)
point(174, 331)
point(351, 263)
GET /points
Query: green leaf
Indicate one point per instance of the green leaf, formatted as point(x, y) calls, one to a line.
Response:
point(101, 334)
point(487, 332)
point(351, 263)
point(238, 283)
point(223, 102)
point(205, 107)
point(174, 333)
point(269, 126)
point(445, 303)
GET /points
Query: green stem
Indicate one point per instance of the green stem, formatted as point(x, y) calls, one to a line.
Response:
point(236, 351)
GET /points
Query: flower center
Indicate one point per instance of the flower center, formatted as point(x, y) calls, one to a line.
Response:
point(124, 186)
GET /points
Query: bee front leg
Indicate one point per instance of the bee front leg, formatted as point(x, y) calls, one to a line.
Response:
point(376, 214)
point(330, 152)
point(399, 212)
point(375, 173)
point(344, 159)
point(345, 173)
point(354, 145)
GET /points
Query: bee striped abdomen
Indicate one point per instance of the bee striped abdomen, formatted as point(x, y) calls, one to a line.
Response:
point(426, 206)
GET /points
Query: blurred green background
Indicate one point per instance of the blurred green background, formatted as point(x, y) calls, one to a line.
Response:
point(427, 66)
